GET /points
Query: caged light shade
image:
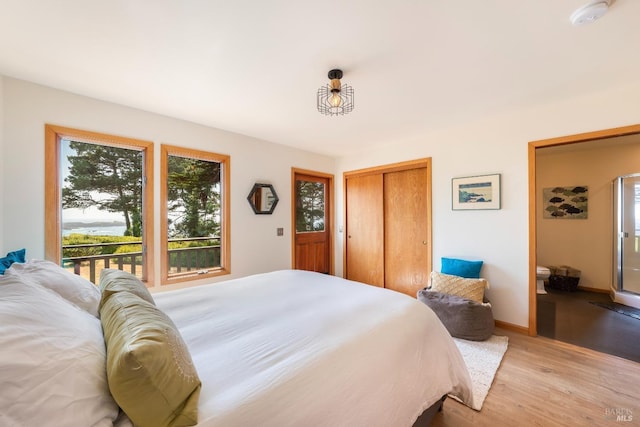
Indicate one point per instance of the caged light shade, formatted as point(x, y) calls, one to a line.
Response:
point(335, 99)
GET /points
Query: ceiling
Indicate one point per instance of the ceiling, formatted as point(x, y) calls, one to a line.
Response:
point(253, 67)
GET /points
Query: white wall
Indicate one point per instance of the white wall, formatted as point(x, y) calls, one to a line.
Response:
point(495, 145)
point(2, 204)
point(585, 244)
point(27, 107)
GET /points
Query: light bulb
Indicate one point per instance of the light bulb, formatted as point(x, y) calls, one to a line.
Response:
point(335, 100)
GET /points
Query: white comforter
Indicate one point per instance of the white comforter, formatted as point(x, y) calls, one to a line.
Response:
point(294, 348)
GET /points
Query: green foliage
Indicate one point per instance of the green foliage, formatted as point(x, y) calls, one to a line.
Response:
point(113, 172)
point(126, 249)
point(193, 188)
point(194, 259)
point(194, 244)
point(84, 239)
point(185, 259)
point(109, 178)
point(309, 206)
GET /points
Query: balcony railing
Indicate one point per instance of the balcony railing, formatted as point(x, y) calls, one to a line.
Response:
point(181, 260)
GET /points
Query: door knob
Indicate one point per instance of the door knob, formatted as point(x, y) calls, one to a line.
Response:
point(424, 242)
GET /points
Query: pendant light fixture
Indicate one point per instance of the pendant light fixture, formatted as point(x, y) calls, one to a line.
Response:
point(335, 99)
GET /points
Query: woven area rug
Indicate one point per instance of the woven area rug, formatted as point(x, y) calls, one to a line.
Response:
point(483, 360)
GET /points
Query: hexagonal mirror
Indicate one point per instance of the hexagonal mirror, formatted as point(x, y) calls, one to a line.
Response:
point(263, 199)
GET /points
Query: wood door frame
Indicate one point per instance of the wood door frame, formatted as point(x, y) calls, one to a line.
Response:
point(393, 167)
point(328, 215)
point(533, 209)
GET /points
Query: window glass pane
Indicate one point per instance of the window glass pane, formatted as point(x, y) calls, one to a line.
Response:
point(194, 214)
point(102, 197)
point(309, 206)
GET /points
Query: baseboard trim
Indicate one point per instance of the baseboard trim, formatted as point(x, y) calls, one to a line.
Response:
point(598, 290)
point(511, 327)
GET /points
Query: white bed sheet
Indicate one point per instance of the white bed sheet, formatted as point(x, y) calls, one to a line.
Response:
point(295, 348)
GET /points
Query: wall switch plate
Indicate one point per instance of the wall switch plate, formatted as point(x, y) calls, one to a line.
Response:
point(280, 231)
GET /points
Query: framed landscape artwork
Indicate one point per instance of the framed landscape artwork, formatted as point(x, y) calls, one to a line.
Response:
point(476, 192)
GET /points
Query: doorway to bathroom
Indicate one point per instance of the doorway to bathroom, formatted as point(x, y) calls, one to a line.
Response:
point(591, 160)
point(579, 318)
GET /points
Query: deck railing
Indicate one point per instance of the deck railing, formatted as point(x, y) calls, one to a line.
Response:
point(180, 259)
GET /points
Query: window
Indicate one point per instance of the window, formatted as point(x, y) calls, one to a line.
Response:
point(310, 211)
point(99, 207)
point(312, 195)
point(194, 214)
point(98, 212)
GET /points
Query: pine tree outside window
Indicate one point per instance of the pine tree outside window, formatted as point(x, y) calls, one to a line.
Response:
point(194, 214)
point(98, 212)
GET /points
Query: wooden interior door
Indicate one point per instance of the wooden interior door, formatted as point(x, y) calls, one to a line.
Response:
point(364, 250)
point(406, 230)
point(312, 248)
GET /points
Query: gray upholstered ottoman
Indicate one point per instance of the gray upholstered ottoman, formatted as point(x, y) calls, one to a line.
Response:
point(462, 317)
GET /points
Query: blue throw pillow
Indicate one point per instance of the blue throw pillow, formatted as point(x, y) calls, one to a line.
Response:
point(461, 267)
point(15, 256)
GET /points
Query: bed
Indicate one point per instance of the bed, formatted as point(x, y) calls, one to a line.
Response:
point(286, 348)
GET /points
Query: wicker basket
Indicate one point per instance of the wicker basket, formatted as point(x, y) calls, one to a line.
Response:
point(564, 278)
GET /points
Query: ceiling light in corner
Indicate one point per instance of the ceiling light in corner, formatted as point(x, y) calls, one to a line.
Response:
point(590, 12)
point(335, 99)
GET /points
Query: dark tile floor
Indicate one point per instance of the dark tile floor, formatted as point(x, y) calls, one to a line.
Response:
point(569, 317)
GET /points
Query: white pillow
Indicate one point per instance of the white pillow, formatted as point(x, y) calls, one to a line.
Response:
point(75, 289)
point(52, 360)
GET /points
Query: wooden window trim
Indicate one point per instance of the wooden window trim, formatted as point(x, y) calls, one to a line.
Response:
point(225, 226)
point(53, 135)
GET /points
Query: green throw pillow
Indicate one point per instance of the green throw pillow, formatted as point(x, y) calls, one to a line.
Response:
point(149, 369)
point(112, 281)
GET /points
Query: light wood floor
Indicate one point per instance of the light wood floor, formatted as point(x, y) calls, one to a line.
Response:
point(543, 382)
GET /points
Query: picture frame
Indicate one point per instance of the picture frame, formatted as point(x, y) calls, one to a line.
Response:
point(481, 192)
point(565, 202)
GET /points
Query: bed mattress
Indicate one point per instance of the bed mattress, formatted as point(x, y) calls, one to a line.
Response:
point(296, 348)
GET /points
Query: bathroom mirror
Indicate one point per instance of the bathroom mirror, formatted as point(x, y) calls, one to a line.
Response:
point(263, 199)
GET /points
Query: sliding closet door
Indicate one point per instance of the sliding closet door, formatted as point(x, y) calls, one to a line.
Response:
point(388, 219)
point(365, 229)
point(406, 237)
